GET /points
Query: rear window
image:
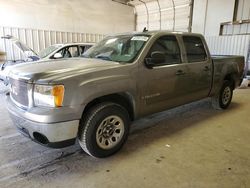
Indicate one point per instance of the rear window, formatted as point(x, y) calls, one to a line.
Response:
point(194, 48)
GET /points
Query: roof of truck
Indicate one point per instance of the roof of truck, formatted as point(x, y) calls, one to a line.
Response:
point(154, 32)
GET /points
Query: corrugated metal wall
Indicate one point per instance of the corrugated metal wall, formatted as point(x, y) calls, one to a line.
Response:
point(163, 14)
point(229, 45)
point(40, 39)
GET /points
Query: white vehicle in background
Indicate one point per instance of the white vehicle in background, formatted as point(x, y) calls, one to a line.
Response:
point(68, 50)
point(56, 51)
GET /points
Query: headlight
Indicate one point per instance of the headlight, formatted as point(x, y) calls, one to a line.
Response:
point(51, 96)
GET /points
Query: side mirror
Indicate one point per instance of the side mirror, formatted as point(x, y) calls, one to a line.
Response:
point(156, 58)
point(57, 56)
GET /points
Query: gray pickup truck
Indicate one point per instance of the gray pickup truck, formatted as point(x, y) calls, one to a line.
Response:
point(124, 77)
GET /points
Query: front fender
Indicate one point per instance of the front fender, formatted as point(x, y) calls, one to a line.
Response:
point(98, 87)
point(83, 89)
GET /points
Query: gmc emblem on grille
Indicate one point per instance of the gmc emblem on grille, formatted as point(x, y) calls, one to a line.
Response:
point(14, 90)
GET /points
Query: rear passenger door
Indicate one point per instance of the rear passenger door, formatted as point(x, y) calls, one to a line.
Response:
point(199, 67)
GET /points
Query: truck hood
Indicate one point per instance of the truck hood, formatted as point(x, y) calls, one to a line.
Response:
point(28, 53)
point(47, 71)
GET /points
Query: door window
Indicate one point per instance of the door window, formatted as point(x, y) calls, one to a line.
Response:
point(194, 48)
point(68, 52)
point(84, 48)
point(72, 52)
point(167, 46)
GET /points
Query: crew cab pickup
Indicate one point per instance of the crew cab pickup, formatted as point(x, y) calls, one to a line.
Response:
point(94, 99)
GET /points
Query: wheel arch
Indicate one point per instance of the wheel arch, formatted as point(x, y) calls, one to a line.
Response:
point(231, 78)
point(124, 99)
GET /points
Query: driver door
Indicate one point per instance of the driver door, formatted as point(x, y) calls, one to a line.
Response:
point(164, 83)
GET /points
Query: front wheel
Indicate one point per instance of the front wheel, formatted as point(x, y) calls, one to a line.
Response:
point(224, 98)
point(104, 129)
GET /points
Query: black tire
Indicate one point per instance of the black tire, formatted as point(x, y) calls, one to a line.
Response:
point(223, 99)
point(99, 118)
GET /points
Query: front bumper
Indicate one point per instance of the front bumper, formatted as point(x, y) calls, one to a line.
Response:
point(51, 134)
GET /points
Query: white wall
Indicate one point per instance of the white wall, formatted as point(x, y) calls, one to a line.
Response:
point(84, 16)
point(208, 22)
point(199, 14)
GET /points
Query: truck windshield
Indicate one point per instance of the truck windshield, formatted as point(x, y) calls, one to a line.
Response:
point(122, 48)
point(45, 52)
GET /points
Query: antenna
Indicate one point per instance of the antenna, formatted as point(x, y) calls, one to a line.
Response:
point(145, 29)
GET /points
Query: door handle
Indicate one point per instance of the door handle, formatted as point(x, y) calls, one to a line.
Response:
point(180, 72)
point(206, 68)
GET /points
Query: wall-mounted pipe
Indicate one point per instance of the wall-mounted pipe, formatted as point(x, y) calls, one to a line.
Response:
point(159, 12)
point(173, 14)
point(145, 4)
point(248, 19)
point(191, 16)
point(205, 20)
point(135, 21)
point(242, 11)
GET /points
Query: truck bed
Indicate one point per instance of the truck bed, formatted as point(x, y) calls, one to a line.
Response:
point(240, 60)
point(230, 63)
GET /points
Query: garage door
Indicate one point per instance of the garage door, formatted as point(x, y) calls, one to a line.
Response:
point(163, 14)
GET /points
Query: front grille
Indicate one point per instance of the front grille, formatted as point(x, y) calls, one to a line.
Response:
point(19, 92)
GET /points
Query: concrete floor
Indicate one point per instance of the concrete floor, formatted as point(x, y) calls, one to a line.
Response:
point(192, 146)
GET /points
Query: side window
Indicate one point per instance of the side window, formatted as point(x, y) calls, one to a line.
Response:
point(84, 48)
point(61, 51)
point(194, 48)
point(167, 46)
point(71, 51)
point(68, 52)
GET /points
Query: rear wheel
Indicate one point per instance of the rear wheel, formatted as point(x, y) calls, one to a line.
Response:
point(104, 129)
point(223, 99)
